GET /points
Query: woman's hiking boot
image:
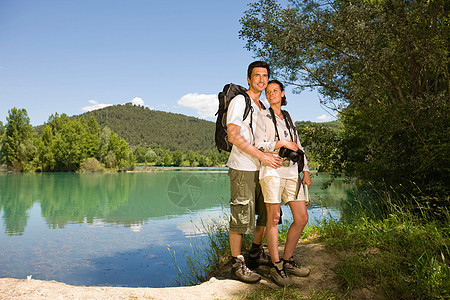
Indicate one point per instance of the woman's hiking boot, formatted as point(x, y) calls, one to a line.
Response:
point(292, 268)
point(240, 271)
point(279, 275)
point(257, 257)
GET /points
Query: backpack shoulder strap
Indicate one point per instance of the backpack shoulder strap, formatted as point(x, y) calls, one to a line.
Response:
point(248, 105)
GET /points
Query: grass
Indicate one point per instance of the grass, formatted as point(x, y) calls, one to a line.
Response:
point(207, 252)
point(393, 251)
point(399, 252)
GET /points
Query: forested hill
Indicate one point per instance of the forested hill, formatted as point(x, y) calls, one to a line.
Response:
point(143, 126)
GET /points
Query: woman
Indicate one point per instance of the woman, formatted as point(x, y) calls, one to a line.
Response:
point(281, 183)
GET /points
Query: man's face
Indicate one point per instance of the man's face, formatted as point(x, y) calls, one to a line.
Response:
point(259, 79)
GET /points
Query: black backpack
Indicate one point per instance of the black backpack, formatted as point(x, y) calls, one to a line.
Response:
point(229, 92)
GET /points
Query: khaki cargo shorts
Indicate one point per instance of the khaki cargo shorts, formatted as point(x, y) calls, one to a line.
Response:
point(246, 201)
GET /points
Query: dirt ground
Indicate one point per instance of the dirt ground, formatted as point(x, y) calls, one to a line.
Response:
point(309, 253)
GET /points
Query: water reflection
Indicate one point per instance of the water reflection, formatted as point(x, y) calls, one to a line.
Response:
point(115, 228)
point(119, 198)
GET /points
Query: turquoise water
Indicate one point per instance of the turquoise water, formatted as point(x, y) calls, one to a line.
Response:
point(116, 228)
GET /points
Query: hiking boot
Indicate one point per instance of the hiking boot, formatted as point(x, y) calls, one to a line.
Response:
point(240, 271)
point(292, 268)
point(279, 275)
point(256, 257)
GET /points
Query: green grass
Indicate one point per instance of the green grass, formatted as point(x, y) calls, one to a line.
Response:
point(394, 251)
point(401, 253)
point(289, 293)
point(207, 252)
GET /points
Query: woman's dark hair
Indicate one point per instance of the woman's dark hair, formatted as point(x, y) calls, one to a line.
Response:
point(258, 64)
point(283, 99)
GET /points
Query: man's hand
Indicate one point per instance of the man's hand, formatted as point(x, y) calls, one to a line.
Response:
point(270, 160)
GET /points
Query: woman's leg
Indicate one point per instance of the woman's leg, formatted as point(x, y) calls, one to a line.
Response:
point(273, 216)
point(300, 215)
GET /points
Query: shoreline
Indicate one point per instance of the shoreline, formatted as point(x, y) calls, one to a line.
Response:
point(310, 252)
point(11, 288)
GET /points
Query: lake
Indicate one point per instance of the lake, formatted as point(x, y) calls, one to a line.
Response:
point(120, 229)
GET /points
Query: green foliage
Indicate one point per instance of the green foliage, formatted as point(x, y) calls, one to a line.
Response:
point(322, 144)
point(142, 126)
point(91, 165)
point(383, 65)
point(46, 150)
point(18, 141)
point(66, 142)
point(401, 254)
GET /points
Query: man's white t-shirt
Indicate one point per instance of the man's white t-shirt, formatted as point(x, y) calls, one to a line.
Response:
point(239, 160)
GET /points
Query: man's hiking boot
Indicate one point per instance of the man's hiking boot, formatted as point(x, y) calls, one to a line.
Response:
point(292, 268)
point(279, 275)
point(257, 257)
point(240, 271)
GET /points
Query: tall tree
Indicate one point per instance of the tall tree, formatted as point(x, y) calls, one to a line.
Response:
point(92, 141)
point(18, 147)
point(382, 64)
point(45, 150)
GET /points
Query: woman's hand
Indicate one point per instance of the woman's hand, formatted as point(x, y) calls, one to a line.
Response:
point(307, 179)
point(288, 144)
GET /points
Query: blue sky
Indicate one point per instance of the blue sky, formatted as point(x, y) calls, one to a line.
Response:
point(61, 56)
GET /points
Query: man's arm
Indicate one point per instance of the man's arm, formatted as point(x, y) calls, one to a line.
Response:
point(237, 140)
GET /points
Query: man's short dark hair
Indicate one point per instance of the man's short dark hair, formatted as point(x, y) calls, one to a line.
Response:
point(257, 64)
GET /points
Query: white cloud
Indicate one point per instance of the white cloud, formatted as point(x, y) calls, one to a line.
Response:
point(205, 105)
point(324, 118)
point(137, 101)
point(95, 105)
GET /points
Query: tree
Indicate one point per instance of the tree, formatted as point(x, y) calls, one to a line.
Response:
point(321, 144)
point(140, 154)
point(18, 147)
point(118, 149)
point(2, 130)
point(45, 150)
point(177, 157)
point(92, 141)
point(69, 144)
point(167, 159)
point(191, 157)
point(382, 64)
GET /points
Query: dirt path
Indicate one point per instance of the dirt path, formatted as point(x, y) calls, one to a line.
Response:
point(310, 253)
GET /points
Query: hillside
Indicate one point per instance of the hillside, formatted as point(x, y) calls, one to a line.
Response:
point(143, 126)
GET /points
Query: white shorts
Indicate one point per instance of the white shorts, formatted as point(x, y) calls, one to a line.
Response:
point(276, 189)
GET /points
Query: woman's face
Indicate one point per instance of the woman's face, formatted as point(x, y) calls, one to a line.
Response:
point(274, 94)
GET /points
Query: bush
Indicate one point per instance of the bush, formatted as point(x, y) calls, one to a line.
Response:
point(91, 165)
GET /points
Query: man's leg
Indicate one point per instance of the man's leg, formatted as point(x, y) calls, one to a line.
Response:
point(235, 243)
point(256, 252)
point(242, 221)
point(260, 232)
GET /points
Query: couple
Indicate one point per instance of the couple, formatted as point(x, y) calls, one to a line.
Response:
point(260, 179)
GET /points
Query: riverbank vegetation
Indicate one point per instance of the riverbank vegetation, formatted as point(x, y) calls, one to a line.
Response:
point(80, 144)
point(388, 250)
point(87, 143)
point(382, 67)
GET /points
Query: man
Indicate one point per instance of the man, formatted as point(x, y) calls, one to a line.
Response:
point(243, 163)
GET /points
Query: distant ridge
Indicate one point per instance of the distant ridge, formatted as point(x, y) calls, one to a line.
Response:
point(140, 125)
